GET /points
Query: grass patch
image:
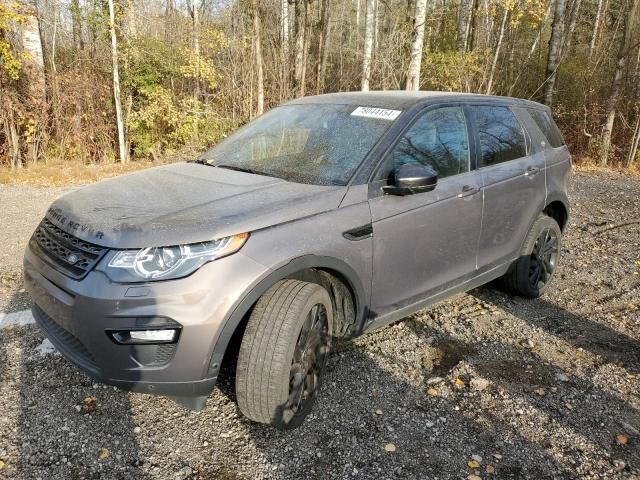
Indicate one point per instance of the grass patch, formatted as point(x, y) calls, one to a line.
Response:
point(58, 173)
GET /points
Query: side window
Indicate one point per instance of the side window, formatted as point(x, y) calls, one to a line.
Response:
point(501, 136)
point(438, 139)
point(548, 127)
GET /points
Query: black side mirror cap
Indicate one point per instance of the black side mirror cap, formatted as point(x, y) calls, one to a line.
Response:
point(411, 178)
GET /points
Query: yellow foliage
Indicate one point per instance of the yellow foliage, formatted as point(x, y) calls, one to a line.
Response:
point(202, 68)
point(9, 13)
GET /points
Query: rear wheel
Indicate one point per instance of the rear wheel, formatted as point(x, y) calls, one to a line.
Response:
point(530, 275)
point(283, 353)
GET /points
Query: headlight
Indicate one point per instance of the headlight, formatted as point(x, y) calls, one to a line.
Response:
point(163, 263)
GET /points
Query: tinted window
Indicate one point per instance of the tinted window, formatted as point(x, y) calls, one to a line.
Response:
point(438, 139)
point(547, 126)
point(501, 136)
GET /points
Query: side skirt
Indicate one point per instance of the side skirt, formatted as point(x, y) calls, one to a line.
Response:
point(388, 318)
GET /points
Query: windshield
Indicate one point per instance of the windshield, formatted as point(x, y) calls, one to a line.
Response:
point(314, 144)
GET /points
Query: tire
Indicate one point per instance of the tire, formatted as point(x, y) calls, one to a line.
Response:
point(280, 364)
point(530, 275)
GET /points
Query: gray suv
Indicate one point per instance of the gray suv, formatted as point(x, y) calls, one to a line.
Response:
point(325, 218)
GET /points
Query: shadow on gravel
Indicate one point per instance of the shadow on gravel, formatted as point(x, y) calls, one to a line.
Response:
point(581, 332)
point(67, 426)
point(353, 420)
point(574, 403)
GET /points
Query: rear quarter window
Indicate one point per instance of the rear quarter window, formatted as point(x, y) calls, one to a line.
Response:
point(548, 127)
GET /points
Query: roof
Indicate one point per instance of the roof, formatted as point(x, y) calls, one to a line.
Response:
point(400, 99)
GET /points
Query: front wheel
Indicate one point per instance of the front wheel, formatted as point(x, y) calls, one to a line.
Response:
point(283, 353)
point(530, 275)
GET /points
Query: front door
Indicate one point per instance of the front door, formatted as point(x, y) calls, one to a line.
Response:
point(423, 243)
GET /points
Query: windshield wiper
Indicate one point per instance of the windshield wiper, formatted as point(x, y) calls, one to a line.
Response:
point(243, 169)
point(203, 161)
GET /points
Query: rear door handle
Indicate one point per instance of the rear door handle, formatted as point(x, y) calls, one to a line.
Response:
point(468, 190)
point(531, 171)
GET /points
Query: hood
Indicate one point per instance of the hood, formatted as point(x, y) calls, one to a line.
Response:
point(185, 203)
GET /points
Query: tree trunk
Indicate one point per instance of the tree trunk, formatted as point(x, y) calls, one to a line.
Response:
point(284, 28)
point(596, 26)
point(573, 20)
point(496, 54)
point(368, 46)
point(624, 51)
point(195, 21)
point(300, 22)
point(323, 52)
point(635, 141)
point(464, 19)
point(116, 84)
point(258, 50)
point(555, 49)
point(413, 73)
point(76, 18)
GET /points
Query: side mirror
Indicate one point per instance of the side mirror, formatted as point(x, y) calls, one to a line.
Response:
point(411, 178)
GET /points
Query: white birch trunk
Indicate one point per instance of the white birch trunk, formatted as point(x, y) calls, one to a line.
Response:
point(555, 49)
point(496, 54)
point(596, 26)
point(116, 84)
point(617, 82)
point(413, 73)
point(368, 46)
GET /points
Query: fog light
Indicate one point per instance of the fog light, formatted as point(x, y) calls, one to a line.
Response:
point(155, 336)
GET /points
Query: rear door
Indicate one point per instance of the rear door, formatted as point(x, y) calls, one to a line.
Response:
point(424, 242)
point(513, 183)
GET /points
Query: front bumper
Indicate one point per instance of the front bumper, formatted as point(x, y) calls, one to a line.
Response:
point(75, 316)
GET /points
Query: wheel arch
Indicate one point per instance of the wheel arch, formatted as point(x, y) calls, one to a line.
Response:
point(558, 208)
point(332, 273)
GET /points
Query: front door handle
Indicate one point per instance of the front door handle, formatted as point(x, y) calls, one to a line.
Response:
point(468, 190)
point(531, 171)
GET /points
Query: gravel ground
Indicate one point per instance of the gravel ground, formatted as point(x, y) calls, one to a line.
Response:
point(484, 385)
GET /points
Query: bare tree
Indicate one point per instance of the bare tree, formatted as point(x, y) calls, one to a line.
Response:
point(571, 26)
point(116, 83)
point(555, 50)
point(464, 22)
point(413, 74)
point(258, 51)
point(323, 47)
point(194, 10)
point(301, 30)
point(596, 26)
point(625, 50)
point(496, 53)
point(368, 45)
point(76, 17)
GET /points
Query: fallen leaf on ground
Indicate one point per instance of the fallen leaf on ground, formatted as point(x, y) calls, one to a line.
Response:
point(473, 464)
point(622, 439)
point(103, 453)
point(2, 464)
point(89, 404)
point(474, 477)
point(390, 447)
point(458, 382)
point(490, 469)
point(432, 392)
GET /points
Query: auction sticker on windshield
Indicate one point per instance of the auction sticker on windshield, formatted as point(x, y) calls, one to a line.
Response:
point(374, 112)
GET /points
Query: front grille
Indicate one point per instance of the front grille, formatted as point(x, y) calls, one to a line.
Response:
point(60, 335)
point(68, 254)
